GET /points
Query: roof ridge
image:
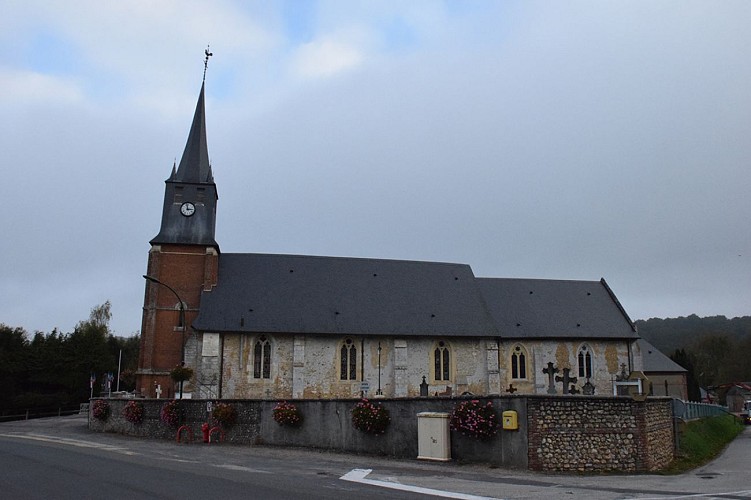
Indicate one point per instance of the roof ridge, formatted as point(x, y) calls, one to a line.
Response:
point(350, 258)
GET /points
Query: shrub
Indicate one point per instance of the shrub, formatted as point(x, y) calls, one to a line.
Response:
point(225, 414)
point(474, 419)
point(101, 410)
point(287, 414)
point(171, 413)
point(370, 418)
point(133, 412)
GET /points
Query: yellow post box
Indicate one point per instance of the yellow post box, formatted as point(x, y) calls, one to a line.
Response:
point(510, 420)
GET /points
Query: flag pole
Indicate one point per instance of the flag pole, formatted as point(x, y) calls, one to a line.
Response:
point(119, 361)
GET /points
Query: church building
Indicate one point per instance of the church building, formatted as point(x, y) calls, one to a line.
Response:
point(293, 326)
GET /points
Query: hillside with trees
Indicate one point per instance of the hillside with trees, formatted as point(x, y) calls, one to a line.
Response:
point(715, 350)
point(44, 372)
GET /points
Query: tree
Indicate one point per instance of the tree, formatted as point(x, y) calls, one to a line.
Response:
point(685, 359)
point(88, 351)
point(54, 370)
point(130, 347)
point(14, 348)
point(710, 352)
point(100, 317)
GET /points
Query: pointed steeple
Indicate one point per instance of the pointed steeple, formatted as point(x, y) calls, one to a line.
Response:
point(190, 198)
point(194, 165)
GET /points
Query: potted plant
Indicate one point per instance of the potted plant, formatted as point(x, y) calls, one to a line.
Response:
point(474, 419)
point(181, 373)
point(133, 412)
point(371, 418)
point(171, 413)
point(100, 410)
point(287, 414)
point(225, 414)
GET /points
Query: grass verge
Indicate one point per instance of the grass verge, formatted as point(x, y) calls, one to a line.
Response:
point(702, 440)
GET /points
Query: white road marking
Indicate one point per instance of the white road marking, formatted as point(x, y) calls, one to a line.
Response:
point(70, 442)
point(699, 495)
point(241, 468)
point(358, 476)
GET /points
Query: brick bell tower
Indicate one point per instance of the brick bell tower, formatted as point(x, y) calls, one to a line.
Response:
point(182, 263)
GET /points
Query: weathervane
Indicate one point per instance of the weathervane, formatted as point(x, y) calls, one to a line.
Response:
point(206, 61)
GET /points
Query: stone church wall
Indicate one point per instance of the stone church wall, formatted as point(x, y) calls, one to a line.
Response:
point(308, 367)
point(608, 357)
point(556, 433)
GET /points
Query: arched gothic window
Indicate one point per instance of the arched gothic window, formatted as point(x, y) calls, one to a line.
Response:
point(262, 358)
point(180, 317)
point(584, 360)
point(518, 363)
point(348, 360)
point(442, 362)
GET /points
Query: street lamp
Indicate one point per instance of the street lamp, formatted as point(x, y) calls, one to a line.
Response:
point(181, 323)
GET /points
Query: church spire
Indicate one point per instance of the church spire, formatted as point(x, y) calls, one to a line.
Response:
point(189, 213)
point(194, 165)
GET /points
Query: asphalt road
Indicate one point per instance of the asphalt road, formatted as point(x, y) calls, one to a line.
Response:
point(59, 458)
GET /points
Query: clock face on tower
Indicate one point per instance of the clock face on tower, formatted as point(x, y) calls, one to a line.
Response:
point(187, 209)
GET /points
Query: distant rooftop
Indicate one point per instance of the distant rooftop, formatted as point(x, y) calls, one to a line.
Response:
point(655, 361)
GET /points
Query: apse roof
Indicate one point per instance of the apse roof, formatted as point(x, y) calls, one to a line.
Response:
point(655, 361)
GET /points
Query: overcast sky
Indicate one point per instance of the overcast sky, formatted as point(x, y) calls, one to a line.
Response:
point(562, 140)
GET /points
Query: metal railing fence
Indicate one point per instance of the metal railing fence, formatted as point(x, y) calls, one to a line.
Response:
point(686, 410)
point(42, 413)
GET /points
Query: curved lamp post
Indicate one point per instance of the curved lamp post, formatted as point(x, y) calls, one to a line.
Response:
point(181, 323)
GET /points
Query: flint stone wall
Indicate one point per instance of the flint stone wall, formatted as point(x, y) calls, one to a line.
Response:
point(600, 434)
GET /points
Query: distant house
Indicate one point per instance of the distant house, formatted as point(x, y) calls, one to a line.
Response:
point(668, 378)
point(708, 396)
point(737, 394)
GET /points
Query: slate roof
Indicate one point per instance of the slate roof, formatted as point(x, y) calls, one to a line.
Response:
point(307, 294)
point(655, 361)
point(269, 293)
point(537, 308)
point(194, 164)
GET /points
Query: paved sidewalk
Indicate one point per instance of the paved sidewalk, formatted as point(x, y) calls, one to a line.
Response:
point(729, 476)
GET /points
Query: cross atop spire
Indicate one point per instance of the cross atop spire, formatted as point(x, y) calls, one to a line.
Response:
point(206, 61)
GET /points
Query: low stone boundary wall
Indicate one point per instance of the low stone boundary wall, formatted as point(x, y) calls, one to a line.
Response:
point(555, 433)
point(600, 434)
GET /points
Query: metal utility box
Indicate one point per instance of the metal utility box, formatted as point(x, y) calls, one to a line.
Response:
point(510, 420)
point(433, 437)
